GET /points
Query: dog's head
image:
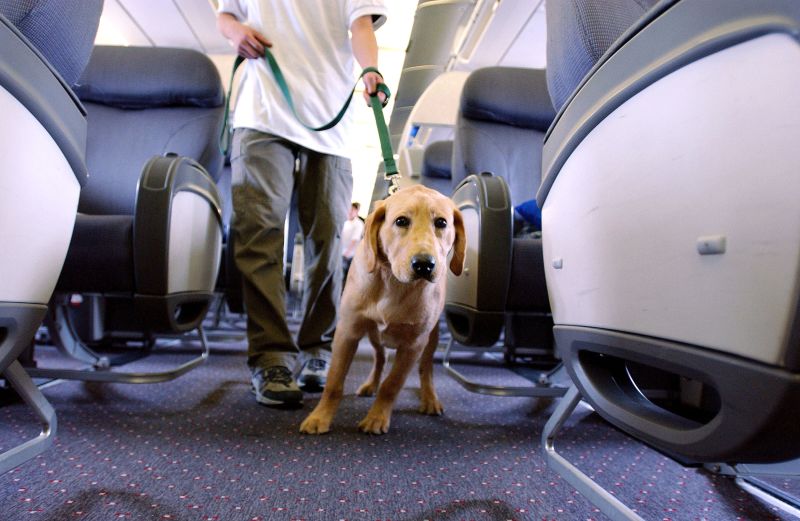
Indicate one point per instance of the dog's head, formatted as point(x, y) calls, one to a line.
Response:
point(414, 229)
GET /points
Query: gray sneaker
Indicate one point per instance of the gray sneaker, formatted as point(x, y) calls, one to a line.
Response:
point(275, 386)
point(313, 375)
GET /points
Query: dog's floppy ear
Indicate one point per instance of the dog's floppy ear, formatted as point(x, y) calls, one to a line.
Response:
point(459, 245)
point(371, 229)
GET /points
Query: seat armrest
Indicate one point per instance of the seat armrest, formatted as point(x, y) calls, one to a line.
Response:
point(177, 243)
point(163, 179)
point(476, 299)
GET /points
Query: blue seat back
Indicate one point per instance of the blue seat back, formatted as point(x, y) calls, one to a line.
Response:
point(579, 32)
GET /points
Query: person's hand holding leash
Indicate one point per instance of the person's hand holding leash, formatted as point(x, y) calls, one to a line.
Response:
point(371, 82)
point(249, 43)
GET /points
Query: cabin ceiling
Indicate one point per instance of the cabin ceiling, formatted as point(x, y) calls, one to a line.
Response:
point(192, 24)
point(162, 23)
point(440, 35)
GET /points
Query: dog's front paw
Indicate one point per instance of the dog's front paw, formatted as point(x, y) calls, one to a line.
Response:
point(431, 405)
point(374, 424)
point(315, 424)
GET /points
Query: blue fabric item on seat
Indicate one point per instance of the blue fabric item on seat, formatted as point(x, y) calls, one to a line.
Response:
point(530, 211)
point(62, 30)
point(147, 77)
point(578, 33)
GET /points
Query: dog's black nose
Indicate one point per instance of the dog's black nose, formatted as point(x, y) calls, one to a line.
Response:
point(423, 265)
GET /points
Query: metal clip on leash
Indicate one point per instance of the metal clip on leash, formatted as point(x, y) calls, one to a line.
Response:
point(390, 168)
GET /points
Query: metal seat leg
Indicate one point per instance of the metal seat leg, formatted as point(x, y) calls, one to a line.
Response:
point(538, 390)
point(23, 384)
point(97, 374)
point(607, 503)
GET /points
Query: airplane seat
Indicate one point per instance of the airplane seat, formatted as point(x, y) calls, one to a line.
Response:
point(671, 238)
point(504, 113)
point(437, 163)
point(146, 248)
point(42, 145)
point(145, 101)
point(502, 117)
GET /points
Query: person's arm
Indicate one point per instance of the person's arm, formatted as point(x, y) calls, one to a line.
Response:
point(365, 50)
point(249, 43)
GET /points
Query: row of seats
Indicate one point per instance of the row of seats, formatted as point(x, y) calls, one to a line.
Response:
point(108, 189)
point(670, 241)
point(500, 125)
point(668, 187)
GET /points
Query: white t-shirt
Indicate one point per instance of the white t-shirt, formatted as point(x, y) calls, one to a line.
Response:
point(311, 43)
point(352, 230)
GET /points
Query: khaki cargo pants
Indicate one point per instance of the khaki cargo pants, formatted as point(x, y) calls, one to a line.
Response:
point(265, 170)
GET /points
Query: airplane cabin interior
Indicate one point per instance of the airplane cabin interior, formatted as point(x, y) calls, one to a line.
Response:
point(619, 335)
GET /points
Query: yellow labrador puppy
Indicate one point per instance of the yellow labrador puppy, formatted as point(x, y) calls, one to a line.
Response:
point(394, 294)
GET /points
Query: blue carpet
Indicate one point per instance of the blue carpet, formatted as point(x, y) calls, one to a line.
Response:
point(200, 448)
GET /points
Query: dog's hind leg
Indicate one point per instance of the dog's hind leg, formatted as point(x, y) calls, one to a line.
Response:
point(372, 382)
point(429, 402)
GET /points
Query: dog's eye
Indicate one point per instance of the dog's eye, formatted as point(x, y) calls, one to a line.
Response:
point(440, 222)
point(402, 221)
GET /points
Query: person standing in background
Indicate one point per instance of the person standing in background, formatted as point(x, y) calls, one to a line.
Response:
point(352, 231)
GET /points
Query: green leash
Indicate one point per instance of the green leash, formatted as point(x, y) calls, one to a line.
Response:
point(390, 167)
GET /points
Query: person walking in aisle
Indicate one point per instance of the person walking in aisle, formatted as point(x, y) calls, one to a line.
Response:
point(316, 43)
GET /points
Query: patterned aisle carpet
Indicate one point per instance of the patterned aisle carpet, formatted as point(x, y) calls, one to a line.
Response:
point(200, 448)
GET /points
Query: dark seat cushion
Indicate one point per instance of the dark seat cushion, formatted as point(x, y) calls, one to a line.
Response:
point(100, 257)
point(120, 142)
point(436, 166)
point(142, 102)
point(503, 116)
point(579, 32)
point(527, 290)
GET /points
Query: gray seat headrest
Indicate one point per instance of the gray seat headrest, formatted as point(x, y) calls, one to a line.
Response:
point(146, 77)
point(508, 95)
